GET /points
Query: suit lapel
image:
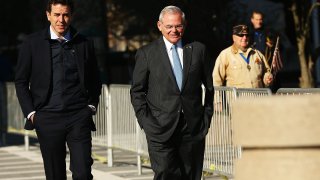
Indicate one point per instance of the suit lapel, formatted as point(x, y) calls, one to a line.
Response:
point(187, 56)
point(45, 51)
point(78, 49)
point(166, 61)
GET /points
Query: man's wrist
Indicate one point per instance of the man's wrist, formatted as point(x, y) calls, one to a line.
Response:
point(30, 114)
point(92, 108)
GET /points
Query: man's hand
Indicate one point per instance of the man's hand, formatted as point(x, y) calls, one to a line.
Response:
point(269, 42)
point(268, 78)
point(31, 118)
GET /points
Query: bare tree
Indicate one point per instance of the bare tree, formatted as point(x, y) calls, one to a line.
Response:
point(302, 28)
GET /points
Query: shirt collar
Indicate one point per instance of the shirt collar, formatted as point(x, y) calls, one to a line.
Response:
point(53, 35)
point(169, 44)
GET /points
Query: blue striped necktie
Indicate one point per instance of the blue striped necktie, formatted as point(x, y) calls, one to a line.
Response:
point(177, 68)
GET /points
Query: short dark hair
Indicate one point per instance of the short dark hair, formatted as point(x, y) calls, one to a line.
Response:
point(68, 3)
point(257, 12)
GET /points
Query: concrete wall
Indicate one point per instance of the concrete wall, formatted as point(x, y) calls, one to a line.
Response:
point(280, 137)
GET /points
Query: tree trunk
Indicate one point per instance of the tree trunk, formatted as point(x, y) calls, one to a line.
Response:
point(306, 79)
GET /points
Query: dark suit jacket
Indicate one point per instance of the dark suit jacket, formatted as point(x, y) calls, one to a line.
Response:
point(155, 95)
point(34, 71)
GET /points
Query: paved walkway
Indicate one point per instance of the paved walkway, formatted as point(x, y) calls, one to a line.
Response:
point(18, 164)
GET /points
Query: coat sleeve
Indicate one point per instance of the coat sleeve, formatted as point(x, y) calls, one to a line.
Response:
point(209, 90)
point(139, 86)
point(94, 87)
point(22, 78)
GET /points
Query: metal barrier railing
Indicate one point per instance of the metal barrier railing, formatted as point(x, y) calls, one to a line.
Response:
point(123, 118)
point(250, 92)
point(124, 132)
point(219, 150)
point(16, 118)
point(14, 115)
point(99, 137)
point(117, 126)
point(14, 112)
point(297, 91)
point(3, 114)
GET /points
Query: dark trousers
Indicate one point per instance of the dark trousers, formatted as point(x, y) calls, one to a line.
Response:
point(181, 158)
point(54, 130)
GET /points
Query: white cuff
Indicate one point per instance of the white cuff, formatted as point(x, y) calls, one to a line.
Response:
point(93, 108)
point(30, 114)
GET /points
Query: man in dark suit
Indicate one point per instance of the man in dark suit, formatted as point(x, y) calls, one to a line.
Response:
point(166, 95)
point(58, 87)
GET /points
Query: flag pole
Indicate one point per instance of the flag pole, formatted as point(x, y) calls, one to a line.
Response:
point(275, 54)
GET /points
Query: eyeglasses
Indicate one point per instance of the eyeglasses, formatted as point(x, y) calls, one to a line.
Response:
point(177, 27)
point(241, 35)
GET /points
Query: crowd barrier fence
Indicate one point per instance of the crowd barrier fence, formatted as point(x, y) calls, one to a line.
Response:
point(250, 92)
point(219, 150)
point(297, 91)
point(3, 125)
point(117, 127)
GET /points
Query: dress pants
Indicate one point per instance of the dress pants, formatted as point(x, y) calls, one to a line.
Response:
point(180, 158)
point(54, 130)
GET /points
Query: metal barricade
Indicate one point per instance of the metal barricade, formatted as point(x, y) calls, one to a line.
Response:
point(142, 149)
point(123, 118)
point(99, 137)
point(117, 126)
point(14, 112)
point(125, 133)
point(142, 146)
point(3, 114)
point(253, 92)
point(219, 150)
point(123, 125)
point(297, 91)
point(15, 117)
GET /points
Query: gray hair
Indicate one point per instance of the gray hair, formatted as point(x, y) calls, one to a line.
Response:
point(171, 10)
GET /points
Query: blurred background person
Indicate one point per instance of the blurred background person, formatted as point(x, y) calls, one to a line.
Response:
point(261, 37)
point(240, 65)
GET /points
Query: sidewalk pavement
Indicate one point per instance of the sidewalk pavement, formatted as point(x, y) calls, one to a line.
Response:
point(18, 164)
